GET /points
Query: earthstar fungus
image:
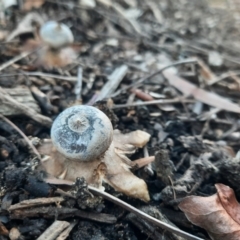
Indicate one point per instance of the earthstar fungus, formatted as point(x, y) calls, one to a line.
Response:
point(57, 39)
point(84, 144)
point(56, 35)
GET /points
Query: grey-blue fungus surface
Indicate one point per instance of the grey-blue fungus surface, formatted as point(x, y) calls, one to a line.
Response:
point(55, 34)
point(82, 133)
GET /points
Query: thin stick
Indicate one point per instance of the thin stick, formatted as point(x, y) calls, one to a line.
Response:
point(130, 208)
point(42, 74)
point(13, 60)
point(143, 215)
point(78, 85)
point(22, 134)
point(160, 101)
point(35, 203)
point(137, 83)
point(148, 168)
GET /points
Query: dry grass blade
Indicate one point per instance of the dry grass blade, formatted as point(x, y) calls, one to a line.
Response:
point(212, 99)
point(161, 101)
point(43, 75)
point(23, 135)
point(129, 208)
point(13, 60)
point(151, 75)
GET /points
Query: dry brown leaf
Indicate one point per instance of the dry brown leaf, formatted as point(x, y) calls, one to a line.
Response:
point(29, 4)
point(206, 97)
point(219, 214)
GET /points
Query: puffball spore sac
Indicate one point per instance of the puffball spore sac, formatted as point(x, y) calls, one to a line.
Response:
point(56, 35)
point(82, 133)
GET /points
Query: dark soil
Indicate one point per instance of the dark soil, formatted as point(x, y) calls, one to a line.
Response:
point(194, 147)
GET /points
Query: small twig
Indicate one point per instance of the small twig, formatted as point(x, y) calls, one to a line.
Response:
point(161, 101)
point(132, 209)
point(179, 164)
point(62, 212)
point(13, 60)
point(8, 100)
point(22, 134)
point(233, 129)
point(65, 194)
point(143, 215)
point(137, 83)
point(148, 168)
point(207, 115)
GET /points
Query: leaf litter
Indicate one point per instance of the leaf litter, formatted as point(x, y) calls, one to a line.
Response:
point(168, 68)
point(218, 214)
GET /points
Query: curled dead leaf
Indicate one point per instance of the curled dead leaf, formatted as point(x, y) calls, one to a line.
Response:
point(218, 214)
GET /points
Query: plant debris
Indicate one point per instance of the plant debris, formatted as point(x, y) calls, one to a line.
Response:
point(168, 69)
point(218, 214)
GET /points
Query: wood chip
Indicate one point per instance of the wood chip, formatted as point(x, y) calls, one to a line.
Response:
point(36, 202)
point(54, 230)
point(114, 80)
